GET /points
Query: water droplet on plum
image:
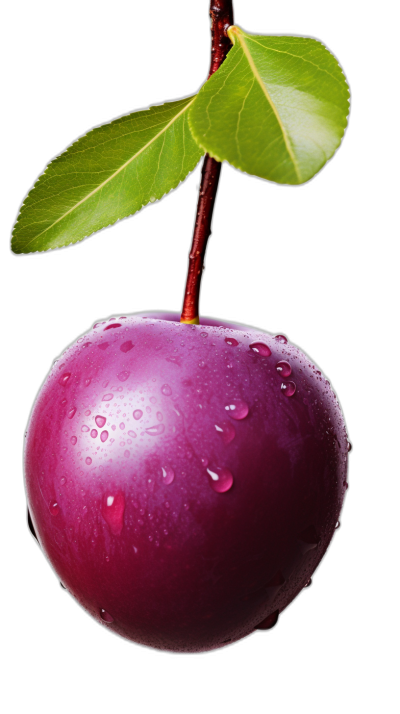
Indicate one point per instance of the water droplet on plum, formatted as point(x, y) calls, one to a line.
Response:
point(105, 616)
point(288, 388)
point(112, 510)
point(284, 368)
point(168, 475)
point(100, 421)
point(269, 621)
point(123, 376)
point(220, 479)
point(155, 430)
point(231, 341)
point(137, 414)
point(260, 348)
point(166, 390)
point(54, 508)
point(64, 378)
point(226, 431)
point(237, 409)
point(104, 436)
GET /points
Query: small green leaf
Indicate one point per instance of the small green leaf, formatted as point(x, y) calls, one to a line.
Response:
point(106, 175)
point(277, 107)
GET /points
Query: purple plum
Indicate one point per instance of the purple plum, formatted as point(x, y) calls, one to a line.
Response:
point(184, 481)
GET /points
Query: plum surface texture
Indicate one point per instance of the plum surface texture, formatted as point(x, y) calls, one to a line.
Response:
point(184, 481)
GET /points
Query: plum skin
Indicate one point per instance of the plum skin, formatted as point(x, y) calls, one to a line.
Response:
point(130, 519)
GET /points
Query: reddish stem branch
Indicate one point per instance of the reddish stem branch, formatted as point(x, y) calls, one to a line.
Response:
point(221, 12)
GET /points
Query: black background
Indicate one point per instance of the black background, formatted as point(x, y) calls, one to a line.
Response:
point(280, 258)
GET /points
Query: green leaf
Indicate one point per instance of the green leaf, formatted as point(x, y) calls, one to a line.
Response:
point(106, 175)
point(277, 107)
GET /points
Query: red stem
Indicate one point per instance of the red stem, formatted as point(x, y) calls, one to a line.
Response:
point(221, 12)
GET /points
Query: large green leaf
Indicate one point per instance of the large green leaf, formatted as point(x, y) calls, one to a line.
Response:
point(276, 108)
point(106, 175)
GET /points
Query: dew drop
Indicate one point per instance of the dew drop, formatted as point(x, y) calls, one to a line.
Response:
point(308, 583)
point(166, 390)
point(202, 364)
point(100, 421)
point(73, 440)
point(105, 616)
point(94, 433)
point(260, 348)
point(137, 414)
point(54, 508)
point(231, 341)
point(269, 621)
point(123, 376)
point(309, 539)
point(159, 416)
point(226, 431)
point(284, 368)
point(126, 346)
point(281, 338)
point(204, 462)
point(237, 409)
point(132, 434)
point(337, 525)
point(88, 460)
point(85, 428)
point(107, 397)
point(104, 436)
point(71, 413)
point(155, 430)
point(64, 378)
point(349, 446)
point(168, 475)
point(122, 426)
point(288, 389)
point(112, 510)
point(112, 326)
point(103, 345)
point(221, 480)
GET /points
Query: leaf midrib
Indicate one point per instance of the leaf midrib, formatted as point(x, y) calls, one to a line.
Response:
point(113, 175)
point(254, 69)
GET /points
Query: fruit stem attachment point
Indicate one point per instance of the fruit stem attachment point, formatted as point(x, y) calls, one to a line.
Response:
point(221, 13)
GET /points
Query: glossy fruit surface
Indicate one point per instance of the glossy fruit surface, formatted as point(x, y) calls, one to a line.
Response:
point(184, 480)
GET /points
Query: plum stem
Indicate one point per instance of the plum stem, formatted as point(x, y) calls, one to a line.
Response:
point(221, 13)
